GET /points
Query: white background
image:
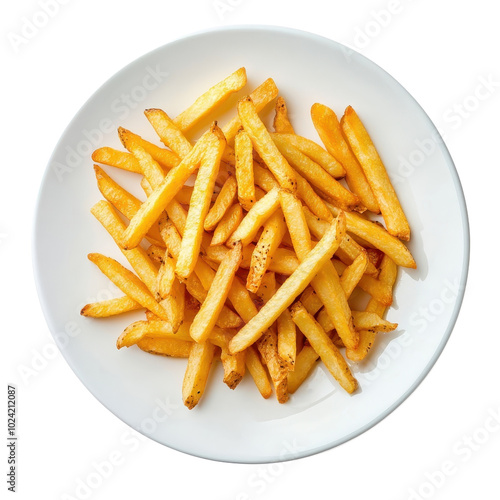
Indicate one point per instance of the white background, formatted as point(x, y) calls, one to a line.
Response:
point(440, 51)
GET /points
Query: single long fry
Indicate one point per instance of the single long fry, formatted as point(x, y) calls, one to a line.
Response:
point(312, 200)
point(258, 214)
point(377, 236)
point(168, 132)
point(152, 208)
point(244, 169)
point(292, 287)
point(306, 361)
point(311, 301)
point(165, 347)
point(114, 158)
point(128, 283)
point(224, 201)
point(354, 273)
point(198, 368)
point(153, 329)
point(166, 276)
point(264, 145)
point(317, 154)
point(281, 122)
point(228, 224)
point(258, 372)
point(111, 307)
point(208, 101)
point(227, 318)
point(287, 339)
point(317, 176)
point(200, 203)
point(264, 178)
point(322, 344)
point(269, 241)
point(207, 316)
point(261, 96)
point(328, 127)
point(376, 174)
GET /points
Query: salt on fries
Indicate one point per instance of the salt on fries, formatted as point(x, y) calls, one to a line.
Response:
point(258, 264)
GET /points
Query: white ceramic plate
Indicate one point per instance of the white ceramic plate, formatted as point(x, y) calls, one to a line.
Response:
point(145, 390)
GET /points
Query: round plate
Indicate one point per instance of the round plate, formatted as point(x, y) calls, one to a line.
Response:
point(145, 390)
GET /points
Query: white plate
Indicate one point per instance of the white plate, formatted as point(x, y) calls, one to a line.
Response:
point(145, 390)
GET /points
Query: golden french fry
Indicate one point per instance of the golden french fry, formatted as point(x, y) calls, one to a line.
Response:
point(206, 318)
point(305, 362)
point(317, 176)
point(257, 215)
point(317, 154)
point(261, 96)
point(198, 368)
point(292, 287)
point(263, 178)
point(244, 169)
point(200, 203)
point(311, 301)
point(224, 201)
point(364, 320)
point(166, 276)
point(281, 122)
point(353, 274)
point(227, 225)
point(377, 236)
point(328, 127)
point(258, 372)
point(128, 283)
point(376, 174)
point(156, 254)
point(287, 339)
point(267, 287)
point(166, 347)
point(208, 101)
point(138, 258)
point(168, 132)
point(322, 344)
point(111, 307)
point(152, 208)
point(114, 158)
point(153, 329)
point(312, 200)
point(227, 318)
point(269, 241)
point(388, 275)
point(264, 145)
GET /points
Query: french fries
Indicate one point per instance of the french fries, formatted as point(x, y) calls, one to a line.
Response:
point(256, 262)
point(376, 174)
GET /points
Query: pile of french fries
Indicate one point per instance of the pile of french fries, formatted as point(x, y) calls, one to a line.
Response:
point(255, 263)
